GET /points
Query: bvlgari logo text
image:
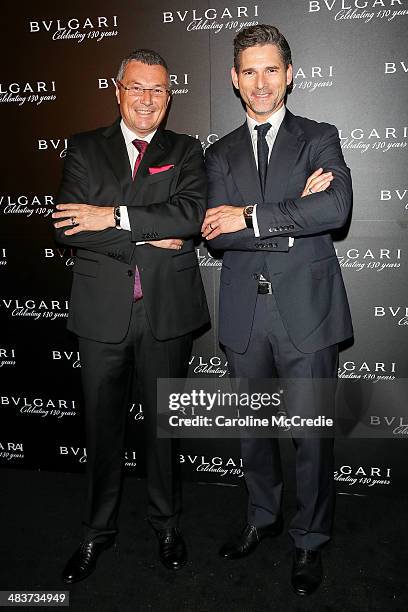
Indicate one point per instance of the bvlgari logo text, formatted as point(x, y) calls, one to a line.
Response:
point(398, 314)
point(64, 254)
point(205, 260)
point(374, 139)
point(80, 455)
point(369, 259)
point(72, 357)
point(27, 205)
point(179, 83)
point(79, 30)
point(40, 406)
point(36, 309)
point(53, 144)
point(222, 466)
point(368, 476)
point(368, 370)
point(233, 18)
point(35, 92)
point(11, 450)
point(396, 67)
point(212, 365)
point(361, 10)
point(398, 424)
point(7, 356)
point(395, 195)
point(311, 78)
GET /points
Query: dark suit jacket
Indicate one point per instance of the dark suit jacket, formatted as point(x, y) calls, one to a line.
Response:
point(169, 204)
point(306, 278)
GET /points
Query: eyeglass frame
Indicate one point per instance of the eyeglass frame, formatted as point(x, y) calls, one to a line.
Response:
point(142, 90)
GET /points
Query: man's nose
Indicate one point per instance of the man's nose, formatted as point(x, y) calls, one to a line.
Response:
point(260, 81)
point(146, 98)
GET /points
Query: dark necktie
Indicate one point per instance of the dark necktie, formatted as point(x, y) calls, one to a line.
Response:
point(141, 146)
point(263, 153)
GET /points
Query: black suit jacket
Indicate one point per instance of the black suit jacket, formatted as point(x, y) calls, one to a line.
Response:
point(306, 278)
point(169, 204)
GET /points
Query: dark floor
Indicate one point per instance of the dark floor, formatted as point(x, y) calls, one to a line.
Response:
point(366, 565)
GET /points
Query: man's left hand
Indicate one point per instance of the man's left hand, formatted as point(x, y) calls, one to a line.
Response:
point(84, 218)
point(224, 219)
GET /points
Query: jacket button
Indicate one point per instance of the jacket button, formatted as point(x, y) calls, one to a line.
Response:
point(130, 272)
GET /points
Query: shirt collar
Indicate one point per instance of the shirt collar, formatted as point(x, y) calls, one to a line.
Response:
point(275, 120)
point(130, 136)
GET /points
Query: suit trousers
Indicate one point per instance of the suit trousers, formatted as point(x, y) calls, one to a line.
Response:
point(108, 373)
point(271, 354)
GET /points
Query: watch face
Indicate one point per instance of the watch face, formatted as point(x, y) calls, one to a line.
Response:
point(248, 210)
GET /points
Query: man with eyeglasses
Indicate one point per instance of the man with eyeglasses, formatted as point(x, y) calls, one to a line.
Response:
point(132, 197)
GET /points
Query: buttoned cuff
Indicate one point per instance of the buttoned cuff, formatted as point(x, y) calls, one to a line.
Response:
point(291, 241)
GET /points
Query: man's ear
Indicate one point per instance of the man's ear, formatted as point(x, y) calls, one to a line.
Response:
point(289, 75)
point(234, 77)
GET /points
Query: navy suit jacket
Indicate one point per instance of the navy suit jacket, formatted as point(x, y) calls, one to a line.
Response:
point(306, 278)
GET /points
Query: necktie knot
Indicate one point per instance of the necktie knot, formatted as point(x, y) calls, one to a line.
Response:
point(263, 129)
point(141, 145)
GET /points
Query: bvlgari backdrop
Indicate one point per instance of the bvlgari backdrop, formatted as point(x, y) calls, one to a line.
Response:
point(58, 69)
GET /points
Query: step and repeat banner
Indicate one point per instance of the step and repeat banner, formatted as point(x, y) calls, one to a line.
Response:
point(59, 66)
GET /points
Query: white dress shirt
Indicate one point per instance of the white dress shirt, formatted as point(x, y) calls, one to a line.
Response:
point(133, 154)
point(275, 120)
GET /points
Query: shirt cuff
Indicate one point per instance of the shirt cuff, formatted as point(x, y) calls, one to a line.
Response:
point(255, 222)
point(124, 218)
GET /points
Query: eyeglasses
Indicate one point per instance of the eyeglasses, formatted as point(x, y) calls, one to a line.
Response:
point(136, 91)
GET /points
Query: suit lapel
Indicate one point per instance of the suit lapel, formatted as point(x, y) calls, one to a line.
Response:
point(286, 150)
point(114, 147)
point(243, 167)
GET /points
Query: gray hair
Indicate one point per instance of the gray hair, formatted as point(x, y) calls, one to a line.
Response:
point(145, 56)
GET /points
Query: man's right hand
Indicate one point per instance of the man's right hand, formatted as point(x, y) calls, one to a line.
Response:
point(168, 243)
point(318, 181)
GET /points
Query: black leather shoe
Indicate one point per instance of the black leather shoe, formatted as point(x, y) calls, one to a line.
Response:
point(83, 561)
point(172, 549)
point(249, 539)
point(307, 572)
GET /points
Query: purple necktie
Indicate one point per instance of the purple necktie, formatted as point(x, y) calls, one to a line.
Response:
point(141, 146)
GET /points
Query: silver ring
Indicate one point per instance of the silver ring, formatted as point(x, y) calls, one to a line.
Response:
point(310, 191)
point(72, 220)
